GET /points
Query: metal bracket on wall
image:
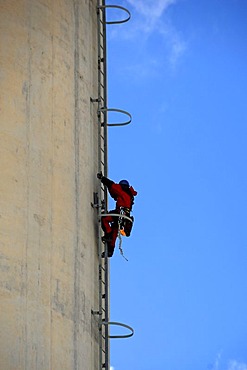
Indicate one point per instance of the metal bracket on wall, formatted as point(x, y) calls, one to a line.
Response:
point(97, 100)
point(95, 203)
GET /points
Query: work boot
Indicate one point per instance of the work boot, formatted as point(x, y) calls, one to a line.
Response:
point(109, 254)
point(106, 238)
point(110, 250)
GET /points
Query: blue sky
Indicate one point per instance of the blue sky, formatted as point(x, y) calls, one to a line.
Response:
point(180, 68)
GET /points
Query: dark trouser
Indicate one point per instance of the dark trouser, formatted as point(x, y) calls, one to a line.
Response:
point(110, 227)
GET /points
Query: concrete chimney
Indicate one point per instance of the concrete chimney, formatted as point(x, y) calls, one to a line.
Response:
point(48, 166)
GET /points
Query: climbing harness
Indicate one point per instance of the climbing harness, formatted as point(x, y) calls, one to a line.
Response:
point(125, 224)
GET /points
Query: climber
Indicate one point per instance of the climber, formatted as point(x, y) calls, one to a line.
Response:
point(123, 194)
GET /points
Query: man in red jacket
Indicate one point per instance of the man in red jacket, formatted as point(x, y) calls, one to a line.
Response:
point(124, 195)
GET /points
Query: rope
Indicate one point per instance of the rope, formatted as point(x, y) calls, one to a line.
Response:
point(120, 237)
point(120, 245)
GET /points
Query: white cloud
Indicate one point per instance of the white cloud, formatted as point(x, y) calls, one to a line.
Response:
point(112, 368)
point(151, 20)
point(234, 365)
point(177, 45)
point(217, 361)
point(152, 10)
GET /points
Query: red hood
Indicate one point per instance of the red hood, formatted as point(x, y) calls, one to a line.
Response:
point(133, 192)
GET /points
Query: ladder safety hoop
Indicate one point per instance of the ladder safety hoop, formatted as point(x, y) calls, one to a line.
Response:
point(118, 111)
point(116, 215)
point(122, 325)
point(116, 7)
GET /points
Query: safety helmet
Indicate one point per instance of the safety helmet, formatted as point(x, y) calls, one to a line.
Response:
point(124, 182)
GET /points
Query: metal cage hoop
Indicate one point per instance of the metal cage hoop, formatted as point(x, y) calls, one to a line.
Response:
point(118, 111)
point(116, 7)
point(122, 325)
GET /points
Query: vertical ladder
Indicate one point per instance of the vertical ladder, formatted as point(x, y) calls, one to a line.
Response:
point(101, 200)
point(104, 350)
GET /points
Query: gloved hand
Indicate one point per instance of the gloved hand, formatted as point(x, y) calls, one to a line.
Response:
point(99, 175)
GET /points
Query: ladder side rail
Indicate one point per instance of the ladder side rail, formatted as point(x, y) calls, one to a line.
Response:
point(105, 129)
point(102, 166)
point(100, 199)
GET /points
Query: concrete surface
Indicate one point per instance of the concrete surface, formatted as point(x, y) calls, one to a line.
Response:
point(48, 166)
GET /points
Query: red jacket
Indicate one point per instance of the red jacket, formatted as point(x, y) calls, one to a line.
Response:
point(122, 194)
